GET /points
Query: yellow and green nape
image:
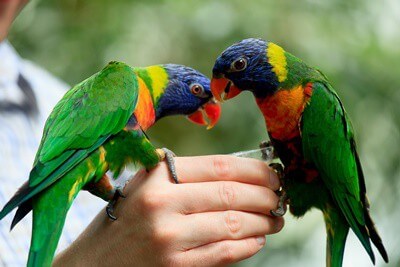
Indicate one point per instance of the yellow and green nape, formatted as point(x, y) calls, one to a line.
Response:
point(277, 59)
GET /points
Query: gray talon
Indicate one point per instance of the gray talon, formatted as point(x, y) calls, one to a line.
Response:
point(278, 212)
point(281, 210)
point(110, 206)
point(278, 168)
point(109, 211)
point(169, 157)
point(268, 144)
point(265, 144)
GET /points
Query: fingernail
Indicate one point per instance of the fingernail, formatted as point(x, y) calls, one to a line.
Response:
point(279, 225)
point(261, 240)
point(274, 180)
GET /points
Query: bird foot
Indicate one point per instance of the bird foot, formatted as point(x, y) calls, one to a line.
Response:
point(278, 168)
point(110, 206)
point(267, 144)
point(168, 155)
point(281, 210)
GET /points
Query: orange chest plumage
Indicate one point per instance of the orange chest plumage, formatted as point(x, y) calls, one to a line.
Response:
point(144, 111)
point(282, 111)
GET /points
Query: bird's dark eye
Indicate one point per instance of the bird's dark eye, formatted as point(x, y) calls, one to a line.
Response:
point(196, 89)
point(239, 64)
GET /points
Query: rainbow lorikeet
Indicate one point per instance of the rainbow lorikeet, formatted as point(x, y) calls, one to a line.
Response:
point(312, 135)
point(98, 126)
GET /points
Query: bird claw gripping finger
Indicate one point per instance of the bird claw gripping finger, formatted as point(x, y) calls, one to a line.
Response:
point(168, 155)
point(281, 210)
point(278, 168)
point(110, 207)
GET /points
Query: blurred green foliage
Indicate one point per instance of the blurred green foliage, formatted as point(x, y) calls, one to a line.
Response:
point(355, 43)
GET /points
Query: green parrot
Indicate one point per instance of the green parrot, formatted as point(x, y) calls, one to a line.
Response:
point(312, 135)
point(98, 126)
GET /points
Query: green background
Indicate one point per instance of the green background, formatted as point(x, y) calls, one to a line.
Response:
point(355, 43)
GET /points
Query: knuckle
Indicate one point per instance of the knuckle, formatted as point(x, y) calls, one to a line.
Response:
point(222, 166)
point(233, 222)
point(152, 200)
point(227, 194)
point(163, 236)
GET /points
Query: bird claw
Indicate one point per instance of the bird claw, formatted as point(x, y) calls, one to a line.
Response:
point(168, 155)
point(110, 206)
point(281, 210)
point(267, 144)
point(278, 168)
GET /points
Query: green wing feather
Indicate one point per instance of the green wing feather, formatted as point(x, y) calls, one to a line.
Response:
point(99, 106)
point(82, 121)
point(328, 142)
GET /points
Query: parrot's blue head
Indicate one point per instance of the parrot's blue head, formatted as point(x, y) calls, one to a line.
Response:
point(188, 93)
point(244, 66)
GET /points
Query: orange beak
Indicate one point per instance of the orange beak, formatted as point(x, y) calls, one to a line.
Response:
point(211, 110)
point(220, 86)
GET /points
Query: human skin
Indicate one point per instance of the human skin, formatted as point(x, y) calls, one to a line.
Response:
point(217, 215)
point(9, 9)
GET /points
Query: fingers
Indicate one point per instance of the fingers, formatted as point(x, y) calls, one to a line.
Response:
point(213, 217)
point(222, 253)
point(218, 196)
point(223, 168)
point(227, 225)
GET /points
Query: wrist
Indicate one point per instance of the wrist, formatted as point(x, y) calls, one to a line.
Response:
point(80, 252)
point(68, 258)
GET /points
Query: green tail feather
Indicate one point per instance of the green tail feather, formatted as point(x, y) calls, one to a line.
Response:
point(359, 229)
point(375, 238)
point(49, 212)
point(45, 235)
point(337, 229)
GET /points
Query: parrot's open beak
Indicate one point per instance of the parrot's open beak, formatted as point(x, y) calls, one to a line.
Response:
point(223, 89)
point(211, 110)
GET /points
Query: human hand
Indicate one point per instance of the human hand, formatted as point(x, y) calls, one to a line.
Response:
point(217, 215)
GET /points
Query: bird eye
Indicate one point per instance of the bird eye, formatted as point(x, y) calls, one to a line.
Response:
point(197, 89)
point(239, 64)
